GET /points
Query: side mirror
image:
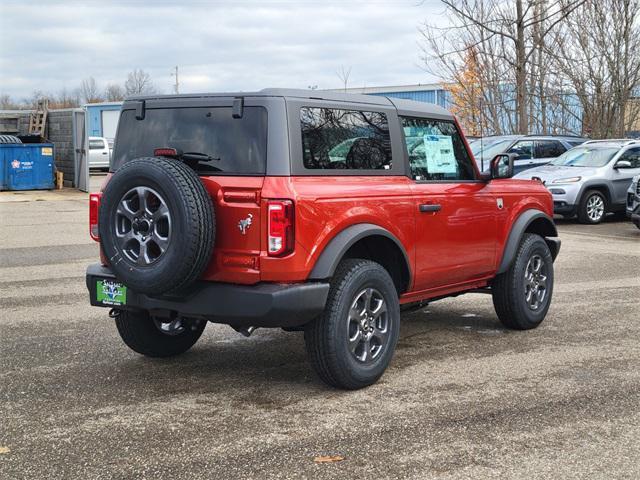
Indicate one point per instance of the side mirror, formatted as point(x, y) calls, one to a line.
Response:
point(622, 164)
point(502, 165)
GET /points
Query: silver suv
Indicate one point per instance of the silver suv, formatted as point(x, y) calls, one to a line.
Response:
point(633, 201)
point(590, 180)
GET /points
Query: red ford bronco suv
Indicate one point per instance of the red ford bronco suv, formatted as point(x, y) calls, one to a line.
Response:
point(309, 211)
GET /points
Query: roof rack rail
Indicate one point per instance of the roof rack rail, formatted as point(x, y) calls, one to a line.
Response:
point(558, 135)
point(624, 141)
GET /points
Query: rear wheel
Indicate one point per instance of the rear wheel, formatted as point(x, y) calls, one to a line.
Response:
point(522, 294)
point(158, 337)
point(592, 208)
point(351, 344)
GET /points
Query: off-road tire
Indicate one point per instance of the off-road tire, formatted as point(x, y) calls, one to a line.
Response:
point(140, 334)
point(10, 139)
point(508, 288)
point(193, 229)
point(583, 216)
point(326, 337)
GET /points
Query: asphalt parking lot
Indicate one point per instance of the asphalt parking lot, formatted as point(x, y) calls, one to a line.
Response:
point(463, 398)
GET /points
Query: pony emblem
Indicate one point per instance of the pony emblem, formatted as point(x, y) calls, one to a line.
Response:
point(244, 224)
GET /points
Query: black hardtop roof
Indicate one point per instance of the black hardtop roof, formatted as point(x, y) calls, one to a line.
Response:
point(400, 104)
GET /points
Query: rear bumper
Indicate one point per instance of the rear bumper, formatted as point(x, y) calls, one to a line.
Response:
point(260, 305)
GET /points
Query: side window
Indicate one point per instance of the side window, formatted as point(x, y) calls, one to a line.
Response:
point(522, 149)
point(548, 149)
point(436, 150)
point(345, 139)
point(96, 144)
point(633, 156)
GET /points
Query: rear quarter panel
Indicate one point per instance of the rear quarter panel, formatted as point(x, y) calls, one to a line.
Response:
point(326, 205)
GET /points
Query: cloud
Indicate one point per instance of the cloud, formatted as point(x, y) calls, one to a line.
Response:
point(218, 45)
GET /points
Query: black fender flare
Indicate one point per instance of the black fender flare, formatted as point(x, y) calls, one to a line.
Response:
point(517, 231)
point(330, 257)
point(596, 185)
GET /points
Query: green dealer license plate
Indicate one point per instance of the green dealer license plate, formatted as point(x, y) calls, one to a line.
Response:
point(109, 292)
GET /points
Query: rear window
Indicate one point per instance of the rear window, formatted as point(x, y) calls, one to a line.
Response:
point(345, 139)
point(96, 144)
point(225, 144)
point(548, 149)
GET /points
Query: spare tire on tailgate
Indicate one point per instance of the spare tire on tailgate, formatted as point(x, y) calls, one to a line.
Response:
point(156, 225)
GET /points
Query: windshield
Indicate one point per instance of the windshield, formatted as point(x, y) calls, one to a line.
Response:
point(585, 157)
point(216, 142)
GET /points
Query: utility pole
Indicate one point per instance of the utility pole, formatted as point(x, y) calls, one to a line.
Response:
point(176, 87)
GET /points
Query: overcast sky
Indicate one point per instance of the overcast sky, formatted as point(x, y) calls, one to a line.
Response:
point(218, 44)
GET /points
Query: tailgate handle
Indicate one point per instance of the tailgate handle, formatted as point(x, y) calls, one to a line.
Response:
point(430, 207)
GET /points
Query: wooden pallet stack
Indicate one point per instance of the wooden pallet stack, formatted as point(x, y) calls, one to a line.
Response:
point(38, 119)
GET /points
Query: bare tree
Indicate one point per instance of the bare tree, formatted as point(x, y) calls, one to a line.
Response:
point(89, 92)
point(114, 93)
point(506, 36)
point(65, 99)
point(598, 56)
point(343, 75)
point(31, 102)
point(139, 81)
point(8, 103)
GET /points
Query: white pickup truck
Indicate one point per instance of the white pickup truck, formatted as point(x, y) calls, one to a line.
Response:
point(99, 153)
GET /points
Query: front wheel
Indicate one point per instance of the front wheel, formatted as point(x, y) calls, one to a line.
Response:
point(351, 344)
point(522, 294)
point(158, 337)
point(592, 208)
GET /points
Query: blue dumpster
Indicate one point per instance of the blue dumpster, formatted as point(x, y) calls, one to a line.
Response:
point(3, 171)
point(26, 166)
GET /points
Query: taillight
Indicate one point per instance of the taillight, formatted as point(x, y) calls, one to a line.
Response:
point(280, 231)
point(94, 207)
point(165, 152)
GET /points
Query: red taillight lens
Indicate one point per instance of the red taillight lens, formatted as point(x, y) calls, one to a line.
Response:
point(280, 232)
point(94, 208)
point(165, 152)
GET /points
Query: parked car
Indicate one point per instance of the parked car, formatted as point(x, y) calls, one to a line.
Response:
point(633, 201)
point(530, 150)
point(590, 180)
point(99, 154)
point(258, 224)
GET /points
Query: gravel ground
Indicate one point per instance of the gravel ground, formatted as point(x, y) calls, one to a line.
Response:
point(463, 397)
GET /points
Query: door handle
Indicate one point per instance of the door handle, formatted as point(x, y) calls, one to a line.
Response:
point(104, 153)
point(430, 207)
